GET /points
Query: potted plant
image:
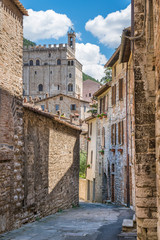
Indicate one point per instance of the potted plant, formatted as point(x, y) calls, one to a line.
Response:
point(88, 166)
point(99, 116)
point(88, 139)
point(112, 150)
point(101, 151)
point(105, 115)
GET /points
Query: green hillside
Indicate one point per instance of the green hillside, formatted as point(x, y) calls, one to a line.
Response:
point(86, 77)
point(27, 42)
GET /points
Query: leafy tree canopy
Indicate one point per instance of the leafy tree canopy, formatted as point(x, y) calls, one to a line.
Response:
point(108, 76)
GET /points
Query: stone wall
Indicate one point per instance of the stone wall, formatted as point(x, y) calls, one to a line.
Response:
point(11, 123)
point(157, 73)
point(145, 159)
point(51, 168)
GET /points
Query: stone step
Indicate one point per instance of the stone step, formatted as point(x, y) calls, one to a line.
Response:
point(127, 225)
point(127, 236)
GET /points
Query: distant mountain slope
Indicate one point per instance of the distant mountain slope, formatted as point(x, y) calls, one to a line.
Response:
point(86, 77)
point(27, 42)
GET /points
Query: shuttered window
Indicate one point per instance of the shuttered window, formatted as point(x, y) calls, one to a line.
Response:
point(120, 133)
point(114, 95)
point(104, 103)
point(113, 134)
point(101, 105)
point(121, 89)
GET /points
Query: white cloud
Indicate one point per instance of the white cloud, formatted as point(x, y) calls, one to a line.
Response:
point(108, 30)
point(45, 25)
point(93, 61)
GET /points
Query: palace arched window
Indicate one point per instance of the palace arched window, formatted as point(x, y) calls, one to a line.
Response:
point(70, 87)
point(70, 75)
point(59, 62)
point(69, 63)
point(37, 62)
point(40, 88)
point(72, 63)
point(31, 62)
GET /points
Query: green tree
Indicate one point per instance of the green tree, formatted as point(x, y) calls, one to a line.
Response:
point(108, 76)
point(83, 164)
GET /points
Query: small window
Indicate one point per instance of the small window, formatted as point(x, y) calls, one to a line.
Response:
point(37, 62)
point(69, 63)
point(70, 87)
point(31, 62)
point(49, 55)
point(61, 98)
point(100, 168)
point(72, 63)
point(45, 64)
point(58, 87)
point(70, 75)
point(42, 107)
point(57, 107)
point(113, 134)
point(59, 62)
point(91, 157)
point(114, 95)
point(40, 88)
point(50, 72)
point(73, 106)
point(90, 95)
point(91, 129)
point(113, 168)
point(35, 72)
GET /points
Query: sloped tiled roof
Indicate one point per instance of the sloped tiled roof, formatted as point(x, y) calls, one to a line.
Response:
point(21, 7)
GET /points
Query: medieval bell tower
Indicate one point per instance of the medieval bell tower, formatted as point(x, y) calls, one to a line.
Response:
point(72, 39)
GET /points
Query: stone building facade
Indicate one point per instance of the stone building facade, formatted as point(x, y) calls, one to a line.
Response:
point(39, 153)
point(89, 88)
point(66, 106)
point(52, 70)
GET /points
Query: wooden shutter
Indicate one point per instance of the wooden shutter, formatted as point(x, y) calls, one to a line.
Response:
point(115, 133)
point(112, 134)
point(120, 89)
point(101, 105)
point(119, 138)
point(104, 102)
point(122, 132)
point(113, 95)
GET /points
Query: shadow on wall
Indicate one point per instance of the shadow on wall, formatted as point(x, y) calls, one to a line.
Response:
point(51, 165)
point(39, 165)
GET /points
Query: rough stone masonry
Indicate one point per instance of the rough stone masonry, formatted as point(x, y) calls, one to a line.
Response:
point(39, 155)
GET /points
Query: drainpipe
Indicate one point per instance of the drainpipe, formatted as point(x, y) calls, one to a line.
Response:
point(127, 142)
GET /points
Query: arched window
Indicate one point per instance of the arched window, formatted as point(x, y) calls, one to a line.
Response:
point(70, 75)
point(31, 62)
point(72, 63)
point(37, 62)
point(40, 88)
point(59, 62)
point(69, 63)
point(70, 87)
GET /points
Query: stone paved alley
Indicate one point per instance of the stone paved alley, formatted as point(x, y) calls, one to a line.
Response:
point(88, 222)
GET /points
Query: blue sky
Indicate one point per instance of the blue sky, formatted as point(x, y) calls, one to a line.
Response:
point(98, 25)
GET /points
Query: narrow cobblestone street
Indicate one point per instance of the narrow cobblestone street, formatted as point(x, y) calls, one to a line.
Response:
point(88, 222)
